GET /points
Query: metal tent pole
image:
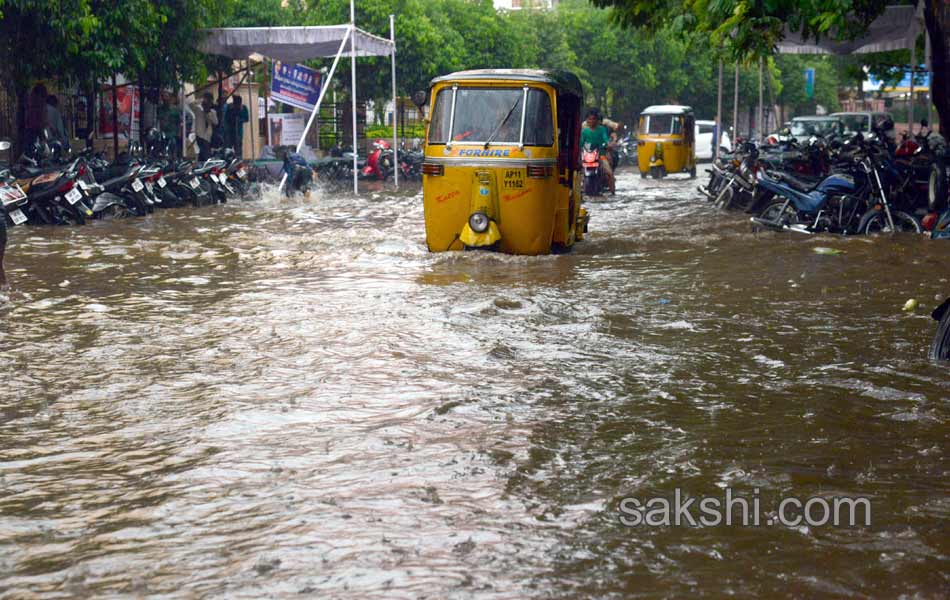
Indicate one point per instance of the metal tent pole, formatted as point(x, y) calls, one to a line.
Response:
point(718, 137)
point(316, 108)
point(392, 38)
point(356, 190)
point(270, 77)
point(250, 111)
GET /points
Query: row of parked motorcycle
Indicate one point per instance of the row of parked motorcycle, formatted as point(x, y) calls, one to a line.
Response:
point(52, 185)
point(378, 165)
point(847, 185)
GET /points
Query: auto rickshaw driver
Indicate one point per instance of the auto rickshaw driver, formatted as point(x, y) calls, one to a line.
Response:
point(597, 135)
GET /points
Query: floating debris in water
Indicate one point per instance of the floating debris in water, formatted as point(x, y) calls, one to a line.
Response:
point(910, 305)
point(826, 250)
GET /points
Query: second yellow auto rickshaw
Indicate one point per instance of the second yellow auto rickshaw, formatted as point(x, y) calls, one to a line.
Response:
point(501, 162)
point(666, 141)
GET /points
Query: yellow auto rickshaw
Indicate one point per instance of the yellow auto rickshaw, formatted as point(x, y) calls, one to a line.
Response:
point(666, 141)
point(501, 161)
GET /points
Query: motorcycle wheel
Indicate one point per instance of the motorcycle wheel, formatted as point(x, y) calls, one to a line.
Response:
point(44, 215)
point(76, 215)
point(937, 187)
point(136, 204)
point(590, 186)
point(723, 199)
point(778, 212)
point(875, 221)
point(114, 211)
point(940, 348)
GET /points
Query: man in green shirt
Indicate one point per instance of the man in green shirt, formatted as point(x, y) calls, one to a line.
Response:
point(598, 137)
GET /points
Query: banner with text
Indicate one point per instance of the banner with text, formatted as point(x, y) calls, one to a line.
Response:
point(295, 85)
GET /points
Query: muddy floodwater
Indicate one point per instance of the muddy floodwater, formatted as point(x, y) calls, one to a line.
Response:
point(295, 399)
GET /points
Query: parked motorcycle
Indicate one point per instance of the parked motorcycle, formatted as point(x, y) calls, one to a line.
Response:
point(732, 179)
point(852, 202)
point(12, 200)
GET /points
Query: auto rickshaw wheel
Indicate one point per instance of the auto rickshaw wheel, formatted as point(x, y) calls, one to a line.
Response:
point(643, 174)
point(692, 172)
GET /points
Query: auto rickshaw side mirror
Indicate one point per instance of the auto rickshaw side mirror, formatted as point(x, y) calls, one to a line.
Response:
point(420, 98)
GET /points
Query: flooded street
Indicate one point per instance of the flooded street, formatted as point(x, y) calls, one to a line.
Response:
point(296, 399)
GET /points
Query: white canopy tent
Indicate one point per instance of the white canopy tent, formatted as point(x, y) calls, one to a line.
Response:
point(296, 44)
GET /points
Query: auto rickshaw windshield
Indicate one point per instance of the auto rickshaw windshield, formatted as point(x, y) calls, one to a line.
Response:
point(492, 114)
point(661, 124)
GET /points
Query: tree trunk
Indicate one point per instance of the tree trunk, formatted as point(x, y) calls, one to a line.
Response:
point(141, 109)
point(19, 147)
point(937, 21)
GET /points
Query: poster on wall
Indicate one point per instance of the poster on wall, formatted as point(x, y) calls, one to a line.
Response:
point(286, 129)
point(295, 85)
point(129, 105)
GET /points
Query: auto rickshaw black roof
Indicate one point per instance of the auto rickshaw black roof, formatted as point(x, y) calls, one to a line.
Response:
point(564, 81)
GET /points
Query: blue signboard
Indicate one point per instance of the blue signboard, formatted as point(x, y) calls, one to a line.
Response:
point(921, 82)
point(295, 85)
point(809, 83)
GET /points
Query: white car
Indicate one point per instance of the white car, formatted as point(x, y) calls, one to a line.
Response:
point(704, 135)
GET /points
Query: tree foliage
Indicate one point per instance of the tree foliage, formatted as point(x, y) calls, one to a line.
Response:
point(748, 29)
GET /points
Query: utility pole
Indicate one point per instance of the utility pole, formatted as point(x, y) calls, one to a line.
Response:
point(718, 135)
point(735, 108)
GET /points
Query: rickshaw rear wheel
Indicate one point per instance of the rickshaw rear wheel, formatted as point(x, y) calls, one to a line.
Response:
point(692, 172)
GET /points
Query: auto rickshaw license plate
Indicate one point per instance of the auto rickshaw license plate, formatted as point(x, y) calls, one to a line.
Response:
point(514, 179)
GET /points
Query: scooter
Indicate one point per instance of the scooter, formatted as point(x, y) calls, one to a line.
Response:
point(379, 164)
point(593, 172)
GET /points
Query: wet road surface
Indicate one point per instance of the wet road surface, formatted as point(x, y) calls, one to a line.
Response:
point(295, 399)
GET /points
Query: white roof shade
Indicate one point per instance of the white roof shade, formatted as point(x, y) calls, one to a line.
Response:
point(895, 29)
point(291, 44)
point(666, 109)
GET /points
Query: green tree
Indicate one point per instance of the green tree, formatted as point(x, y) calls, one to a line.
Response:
point(40, 39)
point(794, 95)
point(752, 28)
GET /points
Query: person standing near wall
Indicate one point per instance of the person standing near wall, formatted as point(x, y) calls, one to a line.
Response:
point(206, 119)
point(235, 116)
point(36, 115)
point(54, 120)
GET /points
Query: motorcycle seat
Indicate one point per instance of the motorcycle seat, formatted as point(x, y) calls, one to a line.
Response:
point(800, 183)
point(116, 183)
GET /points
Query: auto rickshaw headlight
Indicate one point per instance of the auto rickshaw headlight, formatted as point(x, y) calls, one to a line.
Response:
point(479, 222)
